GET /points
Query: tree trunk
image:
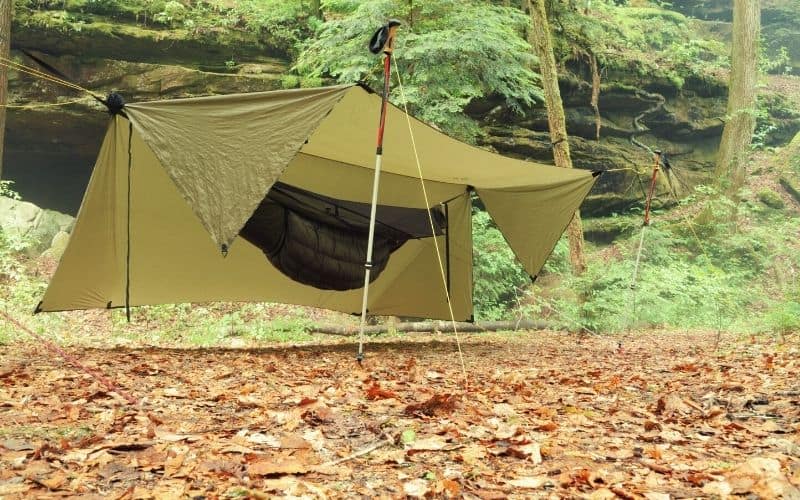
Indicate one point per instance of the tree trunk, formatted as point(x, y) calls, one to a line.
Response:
point(543, 45)
point(316, 9)
point(434, 326)
point(738, 132)
point(5, 47)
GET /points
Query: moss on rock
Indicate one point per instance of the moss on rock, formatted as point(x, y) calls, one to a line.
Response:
point(771, 199)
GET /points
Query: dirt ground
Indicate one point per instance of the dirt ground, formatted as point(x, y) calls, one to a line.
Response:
point(541, 415)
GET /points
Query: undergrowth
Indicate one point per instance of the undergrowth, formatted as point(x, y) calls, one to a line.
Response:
point(707, 264)
point(717, 266)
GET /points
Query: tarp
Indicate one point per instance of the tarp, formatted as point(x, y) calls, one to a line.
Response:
point(176, 184)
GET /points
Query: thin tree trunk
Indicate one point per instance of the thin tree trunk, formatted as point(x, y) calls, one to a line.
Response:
point(6, 7)
point(543, 45)
point(595, 101)
point(738, 132)
point(316, 9)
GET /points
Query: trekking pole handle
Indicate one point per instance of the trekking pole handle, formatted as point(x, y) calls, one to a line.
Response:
point(383, 39)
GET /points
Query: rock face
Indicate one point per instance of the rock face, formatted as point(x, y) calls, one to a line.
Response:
point(36, 230)
point(780, 24)
point(687, 127)
point(50, 151)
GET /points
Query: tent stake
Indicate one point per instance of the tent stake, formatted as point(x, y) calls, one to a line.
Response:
point(382, 41)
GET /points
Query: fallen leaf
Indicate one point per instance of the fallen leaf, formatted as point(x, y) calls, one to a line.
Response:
point(505, 431)
point(530, 482)
point(451, 488)
point(661, 469)
point(671, 436)
point(173, 392)
point(237, 448)
point(416, 488)
point(13, 488)
point(248, 401)
point(718, 488)
point(433, 443)
point(670, 404)
point(503, 410)
point(169, 490)
point(530, 451)
point(17, 445)
point(294, 442)
point(763, 477)
point(602, 494)
point(655, 495)
point(375, 392)
point(54, 482)
point(649, 425)
point(438, 404)
point(408, 436)
point(173, 464)
point(315, 438)
point(272, 468)
point(472, 454)
point(264, 439)
point(547, 427)
point(165, 435)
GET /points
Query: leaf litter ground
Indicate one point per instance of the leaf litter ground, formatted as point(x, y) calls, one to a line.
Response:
point(544, 415)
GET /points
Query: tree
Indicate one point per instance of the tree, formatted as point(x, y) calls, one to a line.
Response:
point(738, 132)
point(316, 9)
point(5, 49)
point(543, 45)
point(454, 52)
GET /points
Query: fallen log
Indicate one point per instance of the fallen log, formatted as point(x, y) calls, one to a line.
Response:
point(433, 326)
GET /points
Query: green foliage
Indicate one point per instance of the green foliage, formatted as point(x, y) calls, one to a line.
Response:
point(654, 43)
point(770, 198)
point(668, 284)
point(7, 190)
point(499, 280)
point(772, 112)
point(780, 63)
point(173, 12)
point(281, 23)
point(558, 262)
point(20, 288)
point(285, 22)
point(214, 324)
point(717, 273)
point(449, 52)
point(784, 318)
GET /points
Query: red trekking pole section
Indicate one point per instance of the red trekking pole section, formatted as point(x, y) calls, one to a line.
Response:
point(387, 69)
point(656, 165)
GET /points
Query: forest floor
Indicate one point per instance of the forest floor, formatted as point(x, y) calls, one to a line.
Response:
point(653, 415)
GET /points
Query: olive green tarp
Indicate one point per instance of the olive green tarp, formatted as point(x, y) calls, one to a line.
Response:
point(176, 182)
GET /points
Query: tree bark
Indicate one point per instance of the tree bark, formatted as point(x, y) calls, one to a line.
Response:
point(434, 326)
point(738, 132)
point(543, 45)
point(6, 7)
point(316, 9)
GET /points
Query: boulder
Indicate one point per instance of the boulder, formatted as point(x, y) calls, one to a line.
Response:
point(58, 245)
point(32, 226)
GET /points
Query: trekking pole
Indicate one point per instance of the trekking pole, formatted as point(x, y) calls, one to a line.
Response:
point(382, 41)
point(656, 166)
